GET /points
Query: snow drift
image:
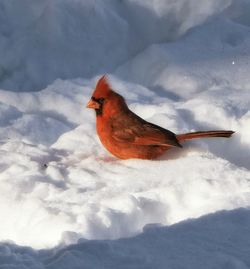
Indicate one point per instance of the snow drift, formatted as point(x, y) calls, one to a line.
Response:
point(182, 65)
point(41, 41)
point(206, 243)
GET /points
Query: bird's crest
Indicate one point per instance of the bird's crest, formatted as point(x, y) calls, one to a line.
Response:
point(102, 88)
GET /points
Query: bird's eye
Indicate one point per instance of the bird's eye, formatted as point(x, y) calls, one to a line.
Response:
point(98, 100)
point(101, 100)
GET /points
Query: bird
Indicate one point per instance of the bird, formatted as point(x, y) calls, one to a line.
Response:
point(126, 135)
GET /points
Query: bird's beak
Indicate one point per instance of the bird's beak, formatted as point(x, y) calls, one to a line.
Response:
point(93, 104)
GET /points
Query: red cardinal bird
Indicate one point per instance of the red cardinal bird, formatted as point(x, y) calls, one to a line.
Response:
point(126, 135)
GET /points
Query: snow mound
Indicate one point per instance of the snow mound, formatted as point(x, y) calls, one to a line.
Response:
point(41, 41)
point(180, 64)
point(70, 188)
point(208, 242)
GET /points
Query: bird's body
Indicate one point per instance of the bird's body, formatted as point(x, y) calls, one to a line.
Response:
point(122, 135)
point(126, 135)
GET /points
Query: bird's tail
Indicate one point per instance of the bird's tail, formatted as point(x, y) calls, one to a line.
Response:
point(189, 136)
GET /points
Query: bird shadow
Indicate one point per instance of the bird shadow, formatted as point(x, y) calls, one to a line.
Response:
point(177, 153)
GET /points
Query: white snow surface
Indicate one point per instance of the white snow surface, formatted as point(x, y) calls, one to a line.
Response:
point(183, 65)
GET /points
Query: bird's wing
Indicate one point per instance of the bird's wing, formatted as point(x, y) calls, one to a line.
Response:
point(145, 134)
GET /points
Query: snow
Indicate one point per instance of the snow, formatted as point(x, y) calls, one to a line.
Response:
point(65, 202)
point(213, 241)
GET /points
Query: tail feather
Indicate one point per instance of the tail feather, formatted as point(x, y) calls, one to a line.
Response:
point(189, 136)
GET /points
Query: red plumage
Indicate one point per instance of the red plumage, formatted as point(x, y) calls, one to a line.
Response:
point(126, 135)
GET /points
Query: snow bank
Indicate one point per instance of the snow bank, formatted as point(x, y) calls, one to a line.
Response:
point(58, 185)
point(69, 187)
point(41, 41)
point(215, 241)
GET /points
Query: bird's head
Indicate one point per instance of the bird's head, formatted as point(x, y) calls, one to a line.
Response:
point(104, 100)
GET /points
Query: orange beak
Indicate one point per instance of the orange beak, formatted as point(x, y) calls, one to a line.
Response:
point(92, 104)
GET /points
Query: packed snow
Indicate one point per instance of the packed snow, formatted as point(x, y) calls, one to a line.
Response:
point(65, 202)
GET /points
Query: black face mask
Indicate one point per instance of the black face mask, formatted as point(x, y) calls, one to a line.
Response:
point(100, 101)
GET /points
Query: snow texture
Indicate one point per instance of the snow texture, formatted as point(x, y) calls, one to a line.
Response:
point(65, 202)
point(214, 241)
